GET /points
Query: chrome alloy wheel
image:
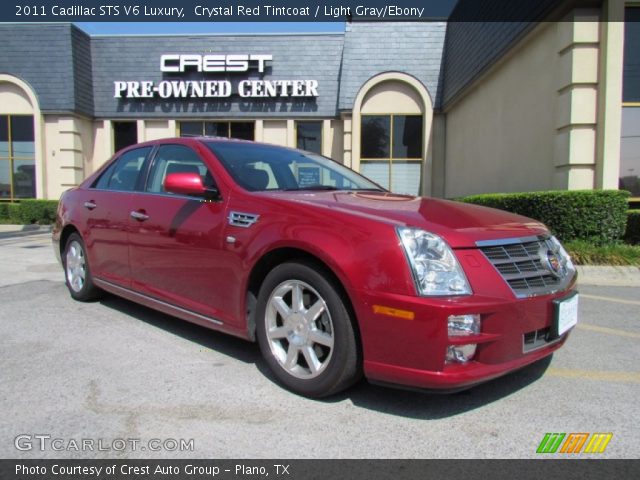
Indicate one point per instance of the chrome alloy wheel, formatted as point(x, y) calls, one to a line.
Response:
point(76, 266)
point(299, 329)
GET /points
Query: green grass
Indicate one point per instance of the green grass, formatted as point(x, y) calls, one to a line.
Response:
point(584, 253)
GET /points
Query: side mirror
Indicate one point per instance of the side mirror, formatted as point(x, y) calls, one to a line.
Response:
point(184, 184)
point(189, 184)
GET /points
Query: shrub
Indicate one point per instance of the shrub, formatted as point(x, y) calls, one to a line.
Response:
point(632, 234)
point(13, 213)
point(35, 211)
point(4, 211)
point(597, 216)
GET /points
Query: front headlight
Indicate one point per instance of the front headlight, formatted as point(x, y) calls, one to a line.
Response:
point(435, 269)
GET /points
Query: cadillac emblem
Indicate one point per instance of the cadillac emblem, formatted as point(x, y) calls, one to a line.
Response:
point(552, 262)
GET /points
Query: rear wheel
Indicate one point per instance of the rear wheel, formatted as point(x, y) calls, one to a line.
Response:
point(77, 272)
point(305, 331)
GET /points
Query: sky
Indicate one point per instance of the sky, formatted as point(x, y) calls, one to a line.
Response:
point(97, 28)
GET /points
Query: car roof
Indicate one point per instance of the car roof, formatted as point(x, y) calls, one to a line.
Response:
point(214, 139)
point(202, 140)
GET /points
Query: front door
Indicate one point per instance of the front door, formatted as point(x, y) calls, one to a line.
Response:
point(176, 242)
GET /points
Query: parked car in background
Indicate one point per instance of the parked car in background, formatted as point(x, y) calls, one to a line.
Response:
point(332, 275)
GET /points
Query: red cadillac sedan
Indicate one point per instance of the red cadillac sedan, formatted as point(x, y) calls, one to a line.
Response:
point(332, 275)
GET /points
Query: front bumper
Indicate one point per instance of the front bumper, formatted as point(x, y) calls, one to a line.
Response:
point(55, 243)
point(411, 353)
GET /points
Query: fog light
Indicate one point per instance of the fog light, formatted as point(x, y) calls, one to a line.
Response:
point(462, 325)
point(460, 353)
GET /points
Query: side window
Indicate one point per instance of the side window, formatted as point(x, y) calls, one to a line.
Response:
point(103, 181)
point(176, 159)
point(122, 175)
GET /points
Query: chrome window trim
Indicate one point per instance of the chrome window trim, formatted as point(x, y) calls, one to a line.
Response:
point(167, 195)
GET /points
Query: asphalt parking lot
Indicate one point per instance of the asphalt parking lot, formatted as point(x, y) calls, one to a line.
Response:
point(115, 370)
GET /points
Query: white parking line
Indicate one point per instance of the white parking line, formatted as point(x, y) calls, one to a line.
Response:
point(610, 299)
point(609, 331)
point(624, 377)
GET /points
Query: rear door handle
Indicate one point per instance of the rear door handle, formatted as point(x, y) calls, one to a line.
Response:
point(139, 216)
point(90, 205)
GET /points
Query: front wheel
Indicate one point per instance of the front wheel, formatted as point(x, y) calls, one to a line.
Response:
point(76, 270)
point(305, 331)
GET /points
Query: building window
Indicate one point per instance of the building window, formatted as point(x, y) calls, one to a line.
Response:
point(240, 130)
point(17, 157)
point(631, 75)
point(124, 135)
point(309, 136)
point(630, 141)
point(630, 151)
point(391, 151)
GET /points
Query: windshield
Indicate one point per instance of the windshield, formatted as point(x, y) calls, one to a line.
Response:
point(258, 167)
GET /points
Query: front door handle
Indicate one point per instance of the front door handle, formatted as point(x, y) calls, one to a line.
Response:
point(139, 216)
point(90, 205)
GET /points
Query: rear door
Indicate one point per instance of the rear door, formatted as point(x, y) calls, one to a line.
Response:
point(176, 246)
point(107, 206)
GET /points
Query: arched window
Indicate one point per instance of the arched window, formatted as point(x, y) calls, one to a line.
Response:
point(392, 121)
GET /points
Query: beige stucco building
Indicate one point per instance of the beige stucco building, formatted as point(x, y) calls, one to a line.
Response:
point(438, 108)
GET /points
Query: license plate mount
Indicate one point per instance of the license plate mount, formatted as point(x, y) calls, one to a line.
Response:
point(565, 314)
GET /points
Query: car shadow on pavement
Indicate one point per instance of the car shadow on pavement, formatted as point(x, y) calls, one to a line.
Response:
point(229, 345)
point(392, 401)
point(432, 406)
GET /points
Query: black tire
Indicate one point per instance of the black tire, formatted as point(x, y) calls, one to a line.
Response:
point(309, 332)
point(74, 260)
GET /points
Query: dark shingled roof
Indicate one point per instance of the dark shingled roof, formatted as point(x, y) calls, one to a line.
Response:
point(71, 71)
point(82, 71)
point(41, 56)
point(472, 47)
point(371, 48)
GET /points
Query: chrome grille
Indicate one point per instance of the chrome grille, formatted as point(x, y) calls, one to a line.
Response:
point(519, 262)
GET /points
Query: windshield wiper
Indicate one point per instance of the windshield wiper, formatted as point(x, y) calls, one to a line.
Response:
point(311, 187)
point(330, 188)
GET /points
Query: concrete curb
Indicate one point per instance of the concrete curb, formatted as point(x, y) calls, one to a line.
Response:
point(11, 231)
point(609, 276)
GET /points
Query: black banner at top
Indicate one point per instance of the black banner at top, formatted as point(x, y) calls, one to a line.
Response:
point(221, 11)
point(287, 10)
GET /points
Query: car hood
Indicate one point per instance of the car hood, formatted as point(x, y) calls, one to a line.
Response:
point(461, 224)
